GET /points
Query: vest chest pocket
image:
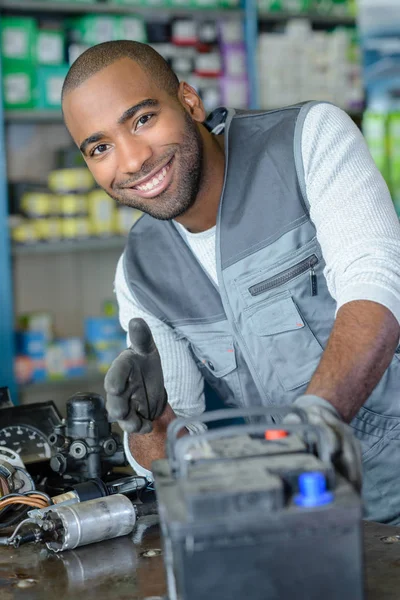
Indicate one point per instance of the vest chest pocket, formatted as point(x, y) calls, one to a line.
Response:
point(285, 339)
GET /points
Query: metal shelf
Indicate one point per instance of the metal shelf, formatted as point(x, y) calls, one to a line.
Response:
point(26, 116)
point(90, 378)
point(63, 246)
point(33, 116)
point(155, 13)
point(315, 18)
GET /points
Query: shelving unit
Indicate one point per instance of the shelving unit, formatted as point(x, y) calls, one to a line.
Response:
point(72, 8)
point(252, 20)
point(59, 247)
point(314, 18)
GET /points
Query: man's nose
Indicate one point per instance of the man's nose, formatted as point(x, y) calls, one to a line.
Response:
point(132, 154)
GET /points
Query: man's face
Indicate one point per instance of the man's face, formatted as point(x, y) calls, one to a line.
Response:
point(142, 147)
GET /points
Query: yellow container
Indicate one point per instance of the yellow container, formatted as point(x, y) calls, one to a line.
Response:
point(55, 206)
point(75, 228)
point(24, 232)
point(101, 210)
point(70, 180)
point(36, 204)
point(124, 218)
point(73, 205)
point(48, 229)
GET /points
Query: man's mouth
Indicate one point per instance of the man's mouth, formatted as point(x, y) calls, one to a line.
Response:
point(155, 183)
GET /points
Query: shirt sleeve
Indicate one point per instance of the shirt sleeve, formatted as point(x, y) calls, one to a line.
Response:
point(351, 208)
point(182, 379)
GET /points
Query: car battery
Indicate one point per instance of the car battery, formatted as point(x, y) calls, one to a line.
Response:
point(257, 512)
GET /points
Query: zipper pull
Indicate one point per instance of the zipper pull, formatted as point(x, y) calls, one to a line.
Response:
point(313, 282)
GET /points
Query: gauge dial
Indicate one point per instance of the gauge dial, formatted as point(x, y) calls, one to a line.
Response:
point(27, 441)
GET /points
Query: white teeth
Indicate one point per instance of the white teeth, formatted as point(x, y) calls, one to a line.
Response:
point(155, 181)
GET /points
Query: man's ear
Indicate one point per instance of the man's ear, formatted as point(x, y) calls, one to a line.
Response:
point(191, 102)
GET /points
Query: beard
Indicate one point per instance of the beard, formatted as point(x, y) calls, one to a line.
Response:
point(188, 171)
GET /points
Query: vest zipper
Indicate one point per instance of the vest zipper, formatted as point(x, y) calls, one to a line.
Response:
point(305, 265)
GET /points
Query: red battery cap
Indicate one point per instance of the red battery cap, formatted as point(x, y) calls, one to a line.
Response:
point(275, 434)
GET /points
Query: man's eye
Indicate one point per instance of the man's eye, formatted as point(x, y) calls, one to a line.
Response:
point(100, 149)
point(143, 120)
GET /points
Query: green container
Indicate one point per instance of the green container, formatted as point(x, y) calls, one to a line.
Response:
point(229, 4)
point(19, 84)
point(75, 1)
point(297, 6)
point(49, 85)
point(50, 47)
point(129, 2)
point(394, 157)
point(131, 28)
point(94, 29)
point(375, 132)
point(18, 38)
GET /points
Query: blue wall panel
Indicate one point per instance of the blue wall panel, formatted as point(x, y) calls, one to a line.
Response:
point(6, 297)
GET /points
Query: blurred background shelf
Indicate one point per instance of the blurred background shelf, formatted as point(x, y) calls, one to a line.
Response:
point(40, 387)
point(28, 7)
point(33, 116)
point(117, 242)
point(314, 18)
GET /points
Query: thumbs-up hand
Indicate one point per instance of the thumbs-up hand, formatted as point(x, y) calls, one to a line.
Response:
point(134, 384)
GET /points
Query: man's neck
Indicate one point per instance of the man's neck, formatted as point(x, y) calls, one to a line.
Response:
point(203, 214)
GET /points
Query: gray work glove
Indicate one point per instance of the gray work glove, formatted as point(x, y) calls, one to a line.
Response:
point(343, 448)
point(134, 384)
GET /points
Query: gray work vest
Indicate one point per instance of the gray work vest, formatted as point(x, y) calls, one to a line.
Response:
point(258, 337)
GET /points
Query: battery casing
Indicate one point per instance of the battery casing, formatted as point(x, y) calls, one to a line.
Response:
point(231, 527)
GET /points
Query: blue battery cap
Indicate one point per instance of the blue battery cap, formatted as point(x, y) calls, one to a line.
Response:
point(313, 492)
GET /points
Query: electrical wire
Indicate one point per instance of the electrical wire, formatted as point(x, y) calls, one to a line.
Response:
point(34, 499)
point(19, 514)
point(4, 487)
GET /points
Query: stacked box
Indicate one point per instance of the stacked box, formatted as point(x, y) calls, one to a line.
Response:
point(18, 38)
point(50, 80)
point(32, 346)
point(131, 28)
point(50, 47)
point(25, 48)
point(105, 340)
point(94, 29)
point(65, 358)
point(18, 50)
point(19, 84)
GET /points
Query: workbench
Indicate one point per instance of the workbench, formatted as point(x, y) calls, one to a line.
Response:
point(132, 568)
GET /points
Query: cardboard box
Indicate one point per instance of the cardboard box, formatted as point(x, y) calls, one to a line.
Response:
point(38, 321)
point(32, 345)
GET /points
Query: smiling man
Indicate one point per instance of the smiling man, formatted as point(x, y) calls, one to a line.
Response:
point(267, 263)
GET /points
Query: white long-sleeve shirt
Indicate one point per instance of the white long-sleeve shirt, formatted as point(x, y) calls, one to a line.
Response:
point(356, 226)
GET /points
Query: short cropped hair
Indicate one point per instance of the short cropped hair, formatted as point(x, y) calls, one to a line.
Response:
point(102, 55)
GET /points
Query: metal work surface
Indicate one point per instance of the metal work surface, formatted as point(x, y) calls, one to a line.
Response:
point(123, 569)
